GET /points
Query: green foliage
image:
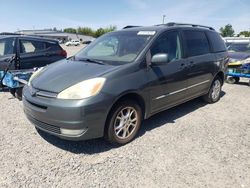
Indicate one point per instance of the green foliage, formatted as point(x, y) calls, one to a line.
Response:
point(86, 31)
point(90, 32)
point(227, 31)
point(69, 30)
point(102, 31)
point(245, 33)
point(99, 32)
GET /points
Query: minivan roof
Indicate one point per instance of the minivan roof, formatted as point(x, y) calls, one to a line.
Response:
point(171, 25)
point(27, 37)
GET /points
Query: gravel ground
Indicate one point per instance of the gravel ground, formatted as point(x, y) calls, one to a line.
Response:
point(192, 145)
point(72, 50)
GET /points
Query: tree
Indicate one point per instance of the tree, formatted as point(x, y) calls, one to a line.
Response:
point(99, 32)
point(69, 30)
point(86, 31)
point(102, 31)
point(110, 28)
point(90, 32)
point(227, 31)
point(245, 33)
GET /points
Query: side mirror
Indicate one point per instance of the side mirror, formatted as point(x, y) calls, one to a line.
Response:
point(159, 59)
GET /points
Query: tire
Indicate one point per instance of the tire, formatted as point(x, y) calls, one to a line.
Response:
point(237, 79)
point(121, 127)
point(13, 91)
point(214, 92)
point(233, 80)
point(19, 93)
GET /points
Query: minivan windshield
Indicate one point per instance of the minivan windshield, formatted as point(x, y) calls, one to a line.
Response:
point(117, 47)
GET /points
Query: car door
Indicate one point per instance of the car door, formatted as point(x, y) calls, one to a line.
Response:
point(7, 51)
point(200, 62)
point(167, 80)
point(32, 53)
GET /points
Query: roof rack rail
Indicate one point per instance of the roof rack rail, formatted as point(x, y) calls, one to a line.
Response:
point(187, 24)
point(130, 26)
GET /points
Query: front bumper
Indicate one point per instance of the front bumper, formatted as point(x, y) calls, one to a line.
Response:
point(51, 115)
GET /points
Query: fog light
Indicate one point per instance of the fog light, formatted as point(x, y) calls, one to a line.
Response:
point(72, 132)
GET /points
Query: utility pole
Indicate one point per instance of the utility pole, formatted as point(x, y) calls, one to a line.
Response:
point(163, 19)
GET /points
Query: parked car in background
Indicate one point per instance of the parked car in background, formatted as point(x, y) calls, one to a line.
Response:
point(73, 43)
point(86, 42)
point(239, 62)
point(123, 77)
point(30, 52)
point(239, 52)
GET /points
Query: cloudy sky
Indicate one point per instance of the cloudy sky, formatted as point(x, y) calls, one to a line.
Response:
point(31, 14)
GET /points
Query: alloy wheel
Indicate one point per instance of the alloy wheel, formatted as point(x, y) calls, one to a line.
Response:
point(216, 89)
point(125, 122)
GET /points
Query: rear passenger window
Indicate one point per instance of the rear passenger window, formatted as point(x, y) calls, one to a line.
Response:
point(217, 43)
point(52, 46)
point(196, 43)
point(31, 46)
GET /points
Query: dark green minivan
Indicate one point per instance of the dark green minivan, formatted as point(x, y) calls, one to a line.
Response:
point(124, 77)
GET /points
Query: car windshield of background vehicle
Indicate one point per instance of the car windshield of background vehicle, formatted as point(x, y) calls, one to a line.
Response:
point(117, 47)
point(239, 47)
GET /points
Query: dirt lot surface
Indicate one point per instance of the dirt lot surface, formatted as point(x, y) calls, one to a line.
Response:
point(192, 145)
point(72, 50)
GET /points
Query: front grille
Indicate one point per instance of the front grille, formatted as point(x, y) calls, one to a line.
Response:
point(45, 126)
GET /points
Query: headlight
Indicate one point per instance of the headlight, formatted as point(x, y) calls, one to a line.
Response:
point(84, 89)
point(35, 74)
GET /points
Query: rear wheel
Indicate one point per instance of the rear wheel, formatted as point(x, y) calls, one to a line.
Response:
point(124, 122)
point(214, 92)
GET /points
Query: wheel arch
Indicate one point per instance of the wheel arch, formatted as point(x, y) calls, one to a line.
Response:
point(127, 96)
point(221, 75)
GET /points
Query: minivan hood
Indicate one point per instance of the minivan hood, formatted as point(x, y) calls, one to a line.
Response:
point(63, 74)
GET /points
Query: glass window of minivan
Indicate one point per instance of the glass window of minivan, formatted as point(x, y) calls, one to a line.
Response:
point(116, 47)
point(168, 43)
point(217, 43)
point(7, 46)
point(30, 46)
point(196, 43)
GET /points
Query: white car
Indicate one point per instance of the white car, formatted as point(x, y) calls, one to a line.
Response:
point(73, 43)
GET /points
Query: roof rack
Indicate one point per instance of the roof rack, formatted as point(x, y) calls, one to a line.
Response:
point(130, 26)
point(186, 24)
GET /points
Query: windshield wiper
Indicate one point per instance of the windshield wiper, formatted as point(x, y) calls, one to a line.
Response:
point(92, 61)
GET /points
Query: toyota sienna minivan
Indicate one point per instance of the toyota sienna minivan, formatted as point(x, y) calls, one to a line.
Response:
point(124, 77)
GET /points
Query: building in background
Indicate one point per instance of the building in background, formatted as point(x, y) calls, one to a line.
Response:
point(58, 35)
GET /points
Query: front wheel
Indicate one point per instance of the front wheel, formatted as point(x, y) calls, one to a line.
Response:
point(232, 80)
point(214, 92)
point(124, 122)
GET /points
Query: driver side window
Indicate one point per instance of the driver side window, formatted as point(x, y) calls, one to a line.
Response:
point(168, 43)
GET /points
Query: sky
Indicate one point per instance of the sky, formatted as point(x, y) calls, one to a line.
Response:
point(32, 14)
